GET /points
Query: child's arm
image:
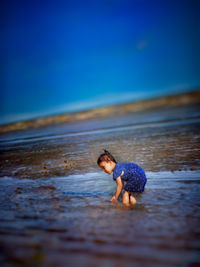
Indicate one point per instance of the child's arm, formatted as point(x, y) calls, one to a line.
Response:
point(118, 189)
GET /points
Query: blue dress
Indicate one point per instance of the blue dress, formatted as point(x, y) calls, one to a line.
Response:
point(134, 176)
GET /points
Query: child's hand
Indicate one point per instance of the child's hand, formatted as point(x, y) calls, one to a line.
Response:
point(113, 199)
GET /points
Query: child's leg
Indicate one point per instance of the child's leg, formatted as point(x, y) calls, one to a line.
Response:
point(132, 199)
point(125, 198)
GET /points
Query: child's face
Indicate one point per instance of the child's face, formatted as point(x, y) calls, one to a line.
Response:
point(106, 166)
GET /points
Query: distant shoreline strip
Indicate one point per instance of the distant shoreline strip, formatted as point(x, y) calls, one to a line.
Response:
point(102, 112)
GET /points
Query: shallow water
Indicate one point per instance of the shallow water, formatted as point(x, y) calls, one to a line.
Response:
point(55, 204)
point(69, 220)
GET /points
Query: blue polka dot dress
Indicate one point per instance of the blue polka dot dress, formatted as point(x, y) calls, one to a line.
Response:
point(132, 174)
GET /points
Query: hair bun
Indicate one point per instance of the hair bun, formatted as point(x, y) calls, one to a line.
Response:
point(106, 156)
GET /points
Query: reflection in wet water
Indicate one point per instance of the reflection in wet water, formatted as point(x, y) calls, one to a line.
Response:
point(55, 220)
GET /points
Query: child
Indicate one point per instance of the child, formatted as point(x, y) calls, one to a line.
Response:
point(128, 172)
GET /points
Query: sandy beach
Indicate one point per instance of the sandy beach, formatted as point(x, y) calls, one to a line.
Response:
point(55, 207)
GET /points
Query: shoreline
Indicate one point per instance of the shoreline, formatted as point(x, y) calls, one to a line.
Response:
point(165, 139)
point(183, 99)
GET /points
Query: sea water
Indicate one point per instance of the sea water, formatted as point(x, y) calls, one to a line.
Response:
point(56, 220)
point(55, 204)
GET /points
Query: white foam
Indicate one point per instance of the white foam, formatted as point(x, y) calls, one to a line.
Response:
point(173, 175)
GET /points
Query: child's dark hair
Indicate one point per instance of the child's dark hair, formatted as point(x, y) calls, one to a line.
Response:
point(106, 156)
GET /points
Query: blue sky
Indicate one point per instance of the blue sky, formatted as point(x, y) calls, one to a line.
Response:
point(64, 56)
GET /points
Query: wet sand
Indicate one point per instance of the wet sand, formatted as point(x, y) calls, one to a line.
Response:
point(54, 200)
